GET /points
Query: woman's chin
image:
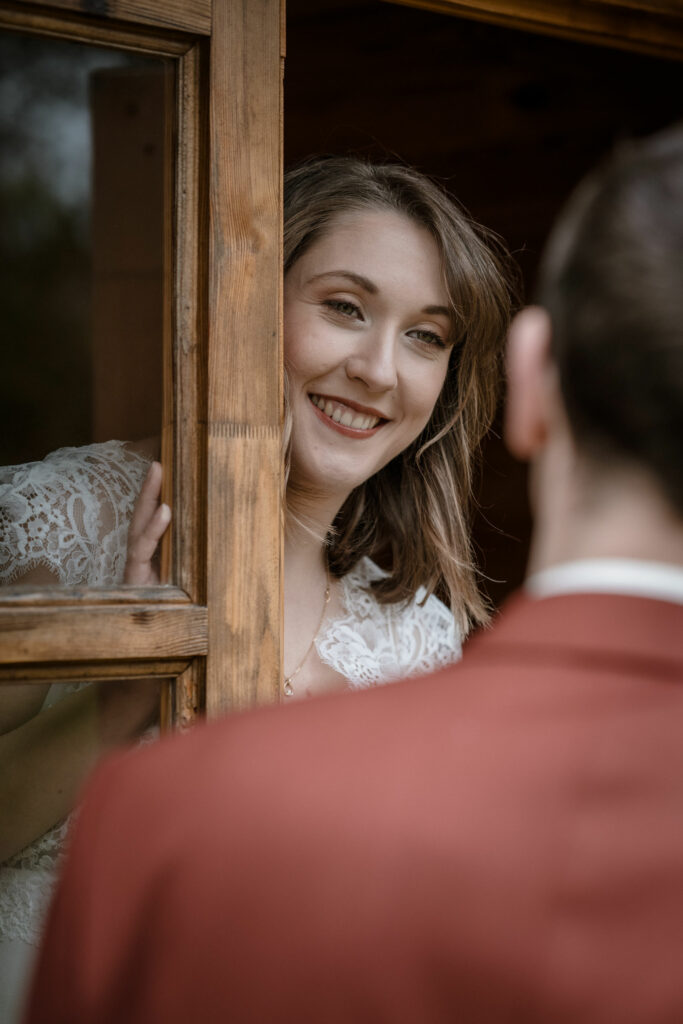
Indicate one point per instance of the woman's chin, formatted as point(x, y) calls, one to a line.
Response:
point(325, 483)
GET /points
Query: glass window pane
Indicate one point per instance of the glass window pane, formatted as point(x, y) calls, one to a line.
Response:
point(84, 220)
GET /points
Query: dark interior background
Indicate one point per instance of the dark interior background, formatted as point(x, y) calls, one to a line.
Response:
point(508, 120)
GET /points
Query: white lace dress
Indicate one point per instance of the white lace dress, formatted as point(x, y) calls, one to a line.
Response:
point(70, 513)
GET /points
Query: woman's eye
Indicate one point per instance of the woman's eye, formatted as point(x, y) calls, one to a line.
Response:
point(429, 338)
point(343, 307)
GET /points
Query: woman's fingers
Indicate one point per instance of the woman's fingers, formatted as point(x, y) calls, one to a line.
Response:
point(148, 499)
point(147, 527)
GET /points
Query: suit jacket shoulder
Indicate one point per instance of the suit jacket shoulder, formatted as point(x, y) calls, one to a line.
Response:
point(499, 841)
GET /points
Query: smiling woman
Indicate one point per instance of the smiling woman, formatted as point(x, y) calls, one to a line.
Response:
point(395, 312)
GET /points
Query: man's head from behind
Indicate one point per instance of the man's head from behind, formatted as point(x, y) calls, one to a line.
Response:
point(611, 324)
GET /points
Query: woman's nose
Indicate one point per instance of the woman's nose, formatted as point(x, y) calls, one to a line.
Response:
point(374, 362)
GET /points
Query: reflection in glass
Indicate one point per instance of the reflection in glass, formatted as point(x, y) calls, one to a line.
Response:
point(84, 166)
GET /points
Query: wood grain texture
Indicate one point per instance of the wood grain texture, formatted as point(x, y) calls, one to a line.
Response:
point(651, 6)
point(244, 374)
point(244, 619)
point(60, 596)
point(93, 672)
point(244, 360)
point(62, 24)
point(102, 633)
point(638, 25)
point(184, 15)
point(188, 695)
point(185, 366)
point(168, 205)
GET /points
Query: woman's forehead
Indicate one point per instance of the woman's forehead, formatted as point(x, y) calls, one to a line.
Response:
point(368, 241)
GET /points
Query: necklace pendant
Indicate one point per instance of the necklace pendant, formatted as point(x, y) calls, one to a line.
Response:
point(288, 688)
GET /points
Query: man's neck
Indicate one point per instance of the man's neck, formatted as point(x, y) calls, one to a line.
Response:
point(599, 513)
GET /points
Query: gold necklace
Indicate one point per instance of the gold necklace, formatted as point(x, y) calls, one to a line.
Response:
point(287, 684)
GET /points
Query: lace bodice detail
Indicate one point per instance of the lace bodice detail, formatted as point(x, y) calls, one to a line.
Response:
point(26, 882)
point(69, 513)
point(375, 643)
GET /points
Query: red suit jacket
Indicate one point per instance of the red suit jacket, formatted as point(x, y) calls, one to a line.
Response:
point(501, 841)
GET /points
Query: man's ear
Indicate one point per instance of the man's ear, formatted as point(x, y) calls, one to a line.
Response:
point(530, 383)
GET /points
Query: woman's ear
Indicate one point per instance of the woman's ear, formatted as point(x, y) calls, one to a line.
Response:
point(530, 383)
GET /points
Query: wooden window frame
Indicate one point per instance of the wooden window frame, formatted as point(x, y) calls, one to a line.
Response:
point(217, 631)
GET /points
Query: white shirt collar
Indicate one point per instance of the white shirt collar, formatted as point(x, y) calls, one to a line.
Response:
point(631, 576)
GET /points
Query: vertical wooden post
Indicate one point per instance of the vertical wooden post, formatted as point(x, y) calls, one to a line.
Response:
point(244, 359)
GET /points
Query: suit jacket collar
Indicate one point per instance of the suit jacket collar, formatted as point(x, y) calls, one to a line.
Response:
point(619, 627)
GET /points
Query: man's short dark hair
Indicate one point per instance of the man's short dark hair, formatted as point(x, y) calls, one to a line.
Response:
point(612, 282)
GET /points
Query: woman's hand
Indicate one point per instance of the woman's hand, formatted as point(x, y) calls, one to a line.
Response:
point(146, 529)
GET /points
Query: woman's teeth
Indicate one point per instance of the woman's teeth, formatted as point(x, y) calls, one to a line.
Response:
point(345, 417)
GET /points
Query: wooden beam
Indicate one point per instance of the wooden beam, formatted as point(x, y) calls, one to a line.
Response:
point(183, 15)
point(643, 26)
point(93, 672)
point(245, 362)
point(92, 31)
point(57, 595)
point(102, 633)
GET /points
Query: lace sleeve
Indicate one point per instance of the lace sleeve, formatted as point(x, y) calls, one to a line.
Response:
point(70, 514)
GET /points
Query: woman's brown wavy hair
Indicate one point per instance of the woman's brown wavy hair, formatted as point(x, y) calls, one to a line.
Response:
point(413, 516)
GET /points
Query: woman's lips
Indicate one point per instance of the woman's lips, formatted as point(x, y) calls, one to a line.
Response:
point(350, 421)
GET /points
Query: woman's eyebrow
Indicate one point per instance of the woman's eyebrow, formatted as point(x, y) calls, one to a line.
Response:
point(370, 287)
point(357, 279)
point(437, 311)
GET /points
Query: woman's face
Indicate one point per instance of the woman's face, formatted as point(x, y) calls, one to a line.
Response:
point(366, 336)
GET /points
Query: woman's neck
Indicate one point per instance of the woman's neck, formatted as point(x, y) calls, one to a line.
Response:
point(305, 565)
point(310, 596)
point(306, 596)
point(309, 517)
point(308, 521)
